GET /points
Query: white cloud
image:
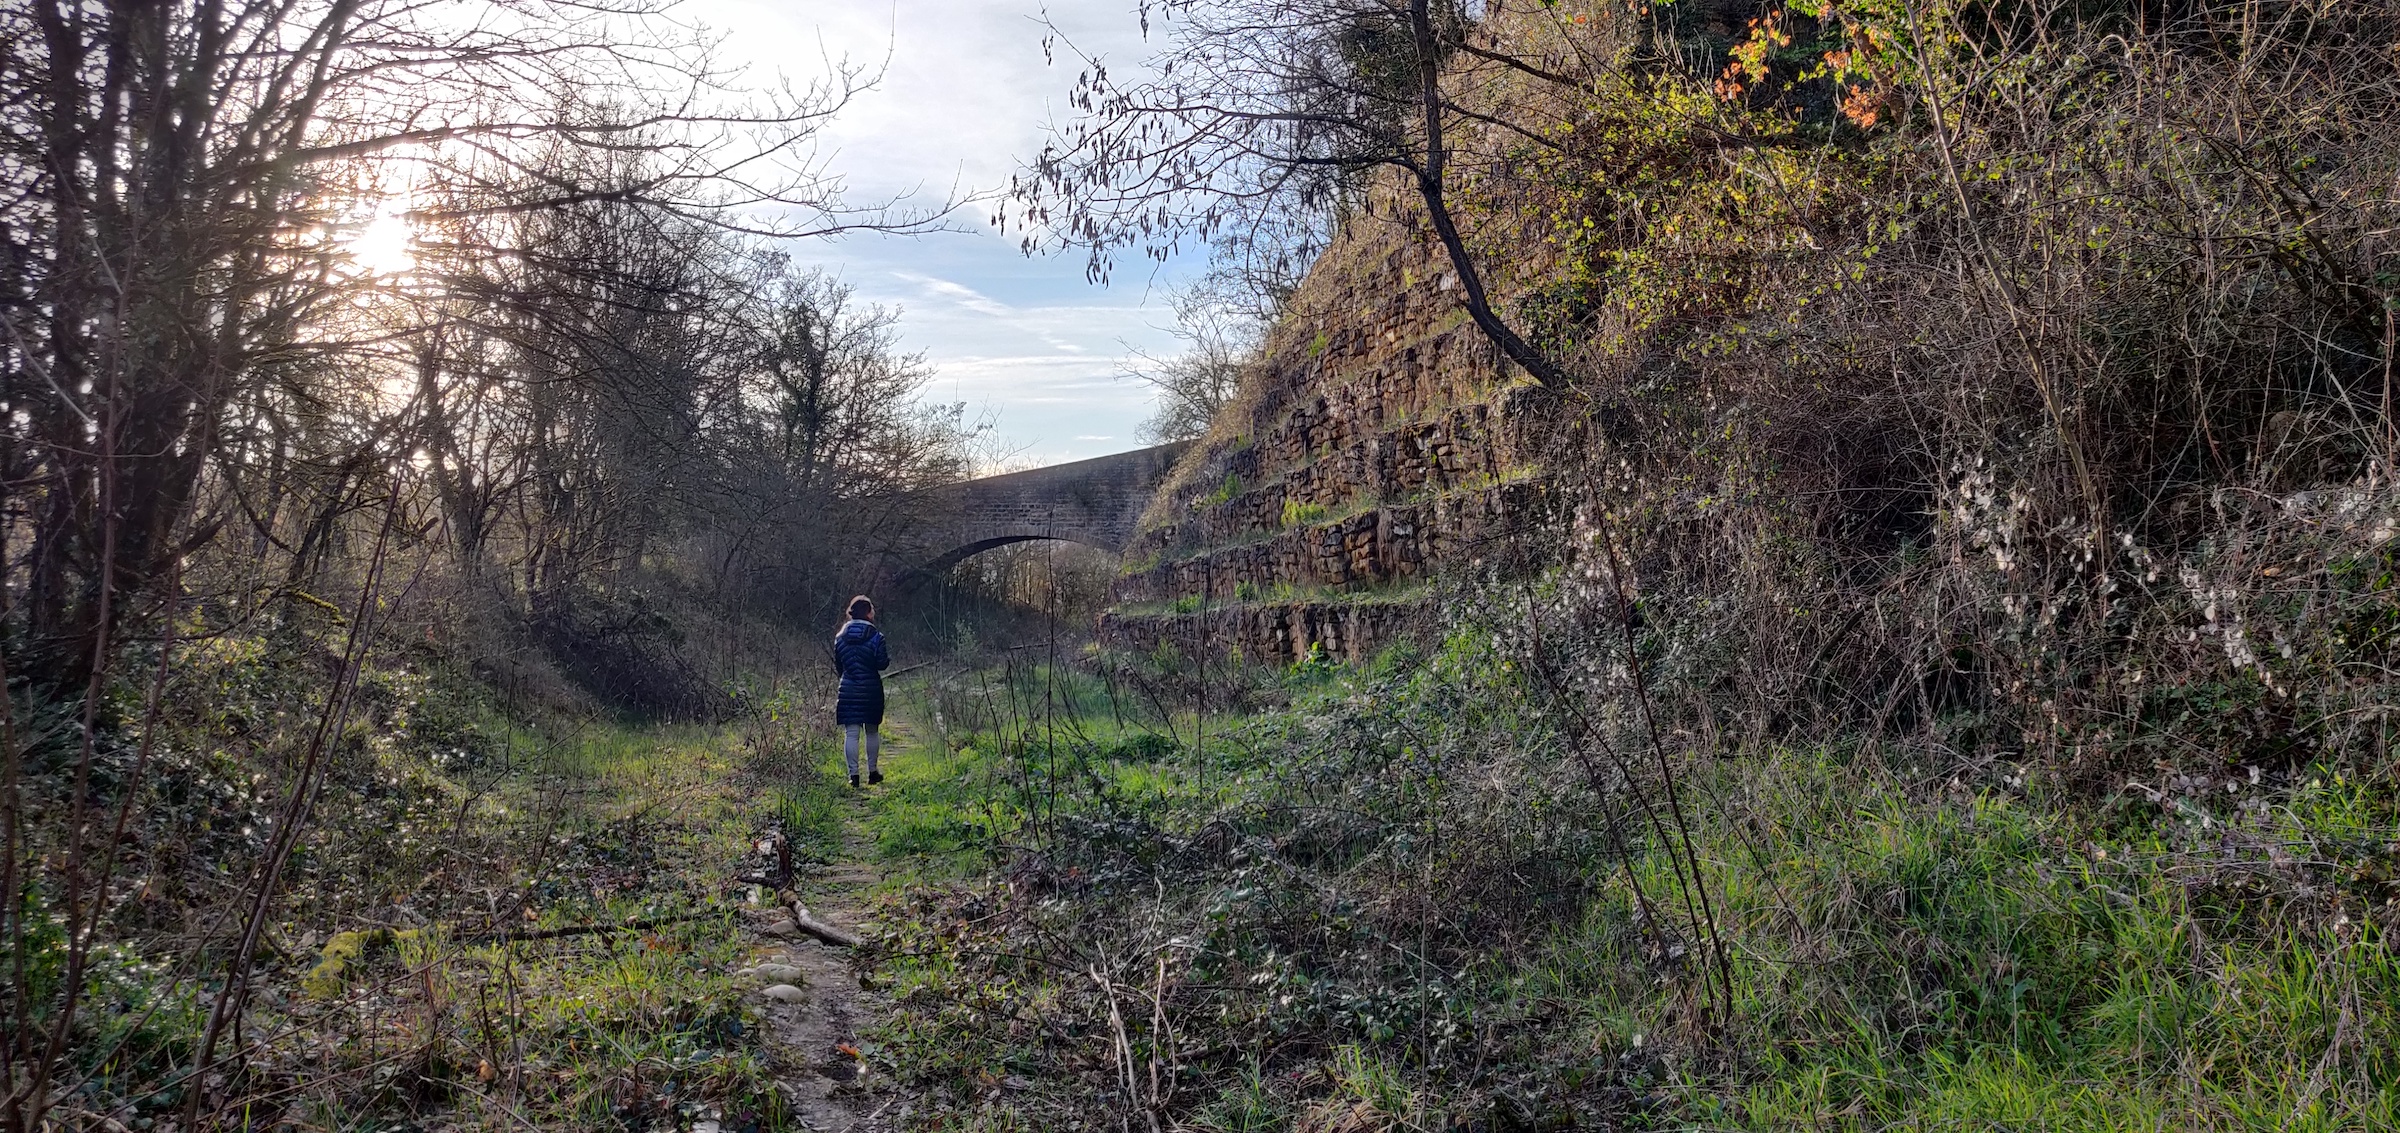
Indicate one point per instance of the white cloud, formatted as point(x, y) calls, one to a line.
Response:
point(958, 294)
point(965, 96)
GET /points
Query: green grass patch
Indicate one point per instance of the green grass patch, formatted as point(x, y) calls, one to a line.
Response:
point(559, 1026)
point(1399, 903)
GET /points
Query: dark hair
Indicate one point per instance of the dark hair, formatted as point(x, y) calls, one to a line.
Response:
point(862, 608)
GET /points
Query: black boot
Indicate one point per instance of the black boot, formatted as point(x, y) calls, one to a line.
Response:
point(854, 782)
point(874, 777)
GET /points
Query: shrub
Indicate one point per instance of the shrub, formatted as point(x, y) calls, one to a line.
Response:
point(1298, 514)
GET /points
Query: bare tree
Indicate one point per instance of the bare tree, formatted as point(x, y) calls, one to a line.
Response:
point(841, 389)
point(1264, 121)
point(845, 444)
point(182, 180)
point(189, 339)
point(1220, 342)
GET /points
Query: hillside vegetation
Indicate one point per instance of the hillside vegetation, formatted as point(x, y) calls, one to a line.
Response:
point(1429, 895)
point(1812, 566)
point(1932, 665)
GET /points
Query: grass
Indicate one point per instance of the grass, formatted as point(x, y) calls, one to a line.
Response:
point(614, 825)
point(404, 989)
point(1297, 514)
point(935, 813)
point(1390, 905)
point(1379, 898)
point(995, 754)
point(1962, 959)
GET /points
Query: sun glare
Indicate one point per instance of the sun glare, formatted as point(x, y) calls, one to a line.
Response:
point(385, 246)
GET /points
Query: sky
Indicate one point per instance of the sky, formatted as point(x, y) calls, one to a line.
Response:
point(965, 96)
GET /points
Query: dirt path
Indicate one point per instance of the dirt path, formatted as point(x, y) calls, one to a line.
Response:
point(814, 1037)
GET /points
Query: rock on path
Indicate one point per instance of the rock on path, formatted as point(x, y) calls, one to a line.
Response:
point(815, 1007)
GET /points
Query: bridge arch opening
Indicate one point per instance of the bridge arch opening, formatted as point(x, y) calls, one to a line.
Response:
point(1006, 582)
point(942, 563)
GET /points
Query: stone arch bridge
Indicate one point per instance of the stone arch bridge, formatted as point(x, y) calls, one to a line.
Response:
point(1096, 502)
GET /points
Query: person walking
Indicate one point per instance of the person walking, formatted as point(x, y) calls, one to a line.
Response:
point(860, 656)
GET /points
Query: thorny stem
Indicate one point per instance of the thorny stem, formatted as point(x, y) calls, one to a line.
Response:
point(12, 926)
point(1666, 768)
point(154, 701)
point(1591, 774)
point(232, 999)
point(2391, 424)
point(33, 1099)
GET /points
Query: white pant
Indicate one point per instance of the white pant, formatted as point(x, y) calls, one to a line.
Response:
point(850, 747)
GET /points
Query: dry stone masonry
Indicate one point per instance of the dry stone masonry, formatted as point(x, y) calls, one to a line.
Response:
point(1379, 441)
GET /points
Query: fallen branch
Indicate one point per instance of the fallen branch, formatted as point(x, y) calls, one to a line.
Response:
point(1123, 1051)
point(506, 937)
point(804, 921)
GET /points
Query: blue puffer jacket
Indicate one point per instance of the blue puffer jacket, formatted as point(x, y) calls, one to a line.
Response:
point(859, 655)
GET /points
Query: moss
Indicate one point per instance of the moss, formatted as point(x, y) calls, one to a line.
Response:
point(1138, 565)
point(1297, 514)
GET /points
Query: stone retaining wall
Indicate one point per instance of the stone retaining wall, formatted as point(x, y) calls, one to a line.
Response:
point(1277, 634)
point(1392, 543)
point(1463, 445)
point(1379, 441)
